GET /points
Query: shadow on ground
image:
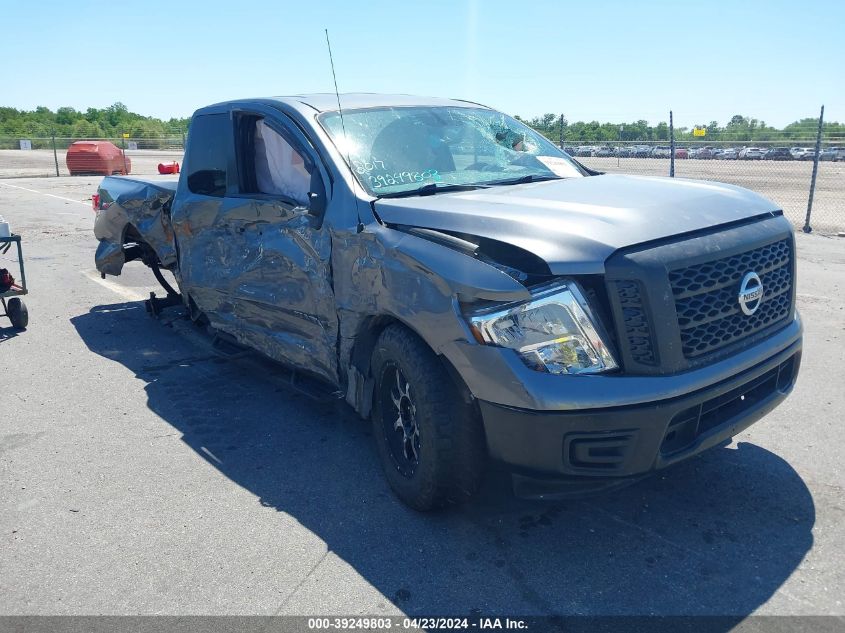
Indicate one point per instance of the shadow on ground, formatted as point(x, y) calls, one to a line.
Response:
point(717, 535)
point(7, 333)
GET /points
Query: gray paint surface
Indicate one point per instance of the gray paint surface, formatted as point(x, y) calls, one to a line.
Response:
point(575, 224)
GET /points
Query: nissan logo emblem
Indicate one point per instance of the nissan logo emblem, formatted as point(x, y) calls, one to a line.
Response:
point(750, 293)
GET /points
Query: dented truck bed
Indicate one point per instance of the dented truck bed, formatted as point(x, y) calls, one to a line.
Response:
point(136, 207)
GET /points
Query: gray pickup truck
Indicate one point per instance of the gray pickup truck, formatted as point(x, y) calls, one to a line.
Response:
point(470, 288)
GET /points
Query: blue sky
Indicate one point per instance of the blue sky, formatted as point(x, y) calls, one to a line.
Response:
point(605, 60)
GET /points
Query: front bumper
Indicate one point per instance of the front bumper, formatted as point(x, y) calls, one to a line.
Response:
point(630, 440)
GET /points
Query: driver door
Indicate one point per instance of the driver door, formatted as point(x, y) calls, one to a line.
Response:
point(285, 301)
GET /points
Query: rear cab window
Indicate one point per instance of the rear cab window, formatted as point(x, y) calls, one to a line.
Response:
point(207, 159)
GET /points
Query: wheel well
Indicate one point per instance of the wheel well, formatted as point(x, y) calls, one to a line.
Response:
point(142, 249)
point(365, 340)
point(368, 333)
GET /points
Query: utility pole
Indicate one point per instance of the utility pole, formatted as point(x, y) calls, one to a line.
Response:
point(55, 156)
point(123, 148)
point(671, 146)
point(619, 151)
point(807, 228)
point(560, 132)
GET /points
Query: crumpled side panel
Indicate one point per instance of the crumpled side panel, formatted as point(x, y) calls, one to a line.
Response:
point(261, 272)
point(144, 205)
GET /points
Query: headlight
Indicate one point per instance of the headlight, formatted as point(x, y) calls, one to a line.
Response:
point(554, 332)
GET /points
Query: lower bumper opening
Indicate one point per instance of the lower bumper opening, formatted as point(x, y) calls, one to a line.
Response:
point(688, 425)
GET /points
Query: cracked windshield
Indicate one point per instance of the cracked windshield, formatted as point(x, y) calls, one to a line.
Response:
point(409, 151)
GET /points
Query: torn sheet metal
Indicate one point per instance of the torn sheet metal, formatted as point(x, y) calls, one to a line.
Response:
point(138, 203)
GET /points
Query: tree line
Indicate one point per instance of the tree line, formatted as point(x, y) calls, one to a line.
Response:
point(94, 123)
point(114, 121)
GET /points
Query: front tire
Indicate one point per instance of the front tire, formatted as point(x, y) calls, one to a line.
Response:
point(430, 442)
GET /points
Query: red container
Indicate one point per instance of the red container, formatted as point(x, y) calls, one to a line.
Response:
point(96, 157)
point(168, 168)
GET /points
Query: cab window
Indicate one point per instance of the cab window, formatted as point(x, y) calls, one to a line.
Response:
point(270, 163)
point(207, 159)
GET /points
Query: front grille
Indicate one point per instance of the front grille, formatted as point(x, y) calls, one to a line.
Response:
point(706, 297)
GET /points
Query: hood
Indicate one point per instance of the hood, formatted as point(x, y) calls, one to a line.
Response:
point(574, 225)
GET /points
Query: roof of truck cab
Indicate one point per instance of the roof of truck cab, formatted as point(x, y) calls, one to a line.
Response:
point(327, 101)
point(308, 104)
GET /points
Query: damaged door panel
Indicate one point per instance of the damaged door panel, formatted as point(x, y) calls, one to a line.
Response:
point(471, 289)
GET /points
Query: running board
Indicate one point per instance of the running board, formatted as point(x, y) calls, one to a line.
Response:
point(227, 346)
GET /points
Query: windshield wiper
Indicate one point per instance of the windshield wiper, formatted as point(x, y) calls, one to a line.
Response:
point(430, 189)
point(522, 180)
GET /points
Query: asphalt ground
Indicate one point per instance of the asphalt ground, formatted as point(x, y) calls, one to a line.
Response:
point(142, 474)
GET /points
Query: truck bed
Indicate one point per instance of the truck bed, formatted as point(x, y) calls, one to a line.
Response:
point(143, 207)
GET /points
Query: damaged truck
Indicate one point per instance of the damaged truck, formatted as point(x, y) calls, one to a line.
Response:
point(470, 288)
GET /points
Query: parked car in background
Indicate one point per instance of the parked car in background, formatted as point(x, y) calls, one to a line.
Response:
point(834, 154)
point(661, 151)
point(729, 153)
point(796, 152)
point(604, 151)
point(809, 153)
point(751, 153)
point(584, 150)
point(778, 153)
point(642, 151)
point(570, 150)
point(96, 157)
point(681, 152)
point(624, 152)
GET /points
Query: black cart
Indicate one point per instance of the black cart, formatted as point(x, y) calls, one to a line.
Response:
point(14, 308)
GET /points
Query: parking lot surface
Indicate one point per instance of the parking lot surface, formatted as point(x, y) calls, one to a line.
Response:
point(140, 473)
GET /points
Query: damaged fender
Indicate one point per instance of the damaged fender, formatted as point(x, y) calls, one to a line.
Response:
point(384, 275)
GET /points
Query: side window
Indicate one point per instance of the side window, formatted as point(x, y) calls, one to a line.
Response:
point(279, 168)
point(271, 164)
point(208, 157)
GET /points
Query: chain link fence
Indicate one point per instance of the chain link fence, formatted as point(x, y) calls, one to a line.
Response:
point(781, 170)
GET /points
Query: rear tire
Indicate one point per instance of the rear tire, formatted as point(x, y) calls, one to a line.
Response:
point(18, 314)
point(430, 442)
